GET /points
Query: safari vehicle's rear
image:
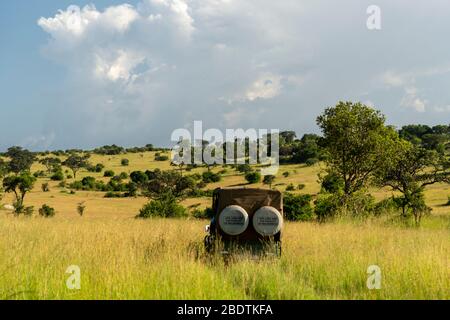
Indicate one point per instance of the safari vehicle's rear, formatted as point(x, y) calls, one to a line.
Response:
point(250, 219)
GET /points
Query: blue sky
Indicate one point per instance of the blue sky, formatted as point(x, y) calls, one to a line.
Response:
point(131, 72)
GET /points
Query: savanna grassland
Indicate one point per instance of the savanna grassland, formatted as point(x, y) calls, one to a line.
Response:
point(121, 257)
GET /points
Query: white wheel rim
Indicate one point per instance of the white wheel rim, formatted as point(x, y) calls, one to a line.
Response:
point(267, 221)
point(233, 220)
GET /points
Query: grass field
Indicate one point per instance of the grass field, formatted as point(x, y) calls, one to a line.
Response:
point(124, 258)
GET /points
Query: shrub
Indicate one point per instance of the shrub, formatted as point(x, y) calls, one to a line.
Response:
point(327, 206)
point(39, 174)
point(448, 202)
point(28, 211)
point(165, 206)
point(360, 204)
point(99, 167)
point(253, 177)
point(269, 179)
point(301, 186)
point(123, 175)
point(386, 206)
point(290, 187)
point(286, 174)
point(109, 173)
point(209, 177)
point(138, 177)
point(125, 162)
point(244, 168)
point(45, 187)
point(207, 213)
point(332, 183)
point(298, 207)
point(162, 158)
point(311, 161)
point(81, 207)
point(57, 176)
point(132, 189)
point(88, 183)
point(46, 211)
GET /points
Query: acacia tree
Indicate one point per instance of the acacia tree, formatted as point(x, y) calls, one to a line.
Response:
point(20, 159)
point(76, 162)
point(409, 171)
point(20, 185)
point(356, 141)
point(269, 179)
point(52, 164)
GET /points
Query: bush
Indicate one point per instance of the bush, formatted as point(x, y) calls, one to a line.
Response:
point(81, 207)
point(209, 177)
point(301, 186)
point(327, 206)
point(28, 211)
point(332, 183)
point(88, 183)
point(387, 206)
point(207, 213)
point(448, 202)
point(244, 168)
point(45, 187)
point(253, 177)
point(165, 207)
point(138, 177)
point(298, 207)
point(162, 158)
point(109, 173)
point(311, 161)
point(99, 167)
point(125, 162)
point(57, 176)
point(290, 187)
point(123, 175)
point(286, 174)
point(46, 211)
point(269, 179)
point(39, 174)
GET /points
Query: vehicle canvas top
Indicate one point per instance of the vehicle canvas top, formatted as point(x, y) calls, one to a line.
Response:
point(250, 199)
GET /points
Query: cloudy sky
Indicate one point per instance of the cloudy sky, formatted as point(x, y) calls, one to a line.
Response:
point(88, 73)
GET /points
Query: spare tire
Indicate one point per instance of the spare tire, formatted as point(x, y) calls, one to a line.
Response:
point(233, 220)
point(267, 221)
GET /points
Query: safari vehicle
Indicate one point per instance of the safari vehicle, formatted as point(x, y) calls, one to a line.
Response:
point(248, 219)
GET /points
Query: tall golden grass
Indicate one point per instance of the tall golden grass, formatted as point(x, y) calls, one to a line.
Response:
point(124, 258)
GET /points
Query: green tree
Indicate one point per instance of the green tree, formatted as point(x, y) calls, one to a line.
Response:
point(76, 162)
point(409, 171)
point(356, 142)
point(20, 159)
point(268, 180)
point(20, 185)
point(52, 164)
point(253, 177)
